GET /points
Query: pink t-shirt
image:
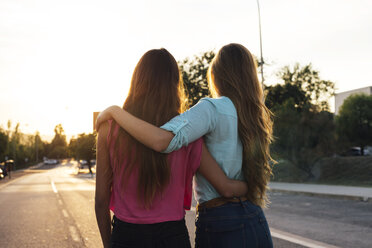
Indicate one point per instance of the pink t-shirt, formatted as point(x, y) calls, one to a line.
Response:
point(169, 205)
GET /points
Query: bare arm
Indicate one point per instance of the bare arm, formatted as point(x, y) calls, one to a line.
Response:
point(151, 136)
point(214, 174)
point(103, 186)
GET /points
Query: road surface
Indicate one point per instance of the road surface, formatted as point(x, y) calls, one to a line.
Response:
point(53, 206)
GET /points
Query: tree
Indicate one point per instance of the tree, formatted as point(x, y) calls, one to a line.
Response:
point(14, 143)
point(39, 146)
point(58, 146)
point(303, 85)
point(18, 146)
point(303, 128)
point(3, 144)
point(303, 138)
point(59, 137)
point(279, 94)
point(72, 146)
point(354, 121)
point(194, 76)
point(83, 147)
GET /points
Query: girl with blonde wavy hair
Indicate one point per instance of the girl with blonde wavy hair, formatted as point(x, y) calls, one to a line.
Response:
point(237, 130)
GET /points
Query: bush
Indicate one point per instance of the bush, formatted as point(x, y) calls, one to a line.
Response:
point(346, 170)
point(353, 171)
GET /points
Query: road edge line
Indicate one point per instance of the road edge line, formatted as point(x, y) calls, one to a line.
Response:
point(53, 186)
point(298, 239)
point(324, 195)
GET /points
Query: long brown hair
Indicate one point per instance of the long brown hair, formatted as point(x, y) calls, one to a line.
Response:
point(155, 95)
point(233, 74)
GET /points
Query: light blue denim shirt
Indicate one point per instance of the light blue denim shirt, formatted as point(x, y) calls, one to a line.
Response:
point(215, 119)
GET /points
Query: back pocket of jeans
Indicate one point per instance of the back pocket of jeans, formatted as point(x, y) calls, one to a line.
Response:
point(226, 235)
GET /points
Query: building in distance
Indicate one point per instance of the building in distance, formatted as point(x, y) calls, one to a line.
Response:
point(340, 97)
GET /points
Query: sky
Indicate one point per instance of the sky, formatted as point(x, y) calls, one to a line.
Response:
point(60, 61)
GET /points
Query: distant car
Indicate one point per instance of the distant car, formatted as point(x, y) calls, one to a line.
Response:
point(50, 161)
point(1, 173)
point(354, 151)
point(82, 163)
point(3, 170)
point(368, 151)
point(357, 151)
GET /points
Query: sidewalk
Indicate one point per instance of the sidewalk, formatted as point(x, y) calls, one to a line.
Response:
point(350, 192)
point(17, 174)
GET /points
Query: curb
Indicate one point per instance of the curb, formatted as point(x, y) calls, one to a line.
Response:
point(3, 185)
point(299, 240)
point(325, 195)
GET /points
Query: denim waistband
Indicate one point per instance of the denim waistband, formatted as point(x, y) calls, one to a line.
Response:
point(153, 229)
point(231, 210)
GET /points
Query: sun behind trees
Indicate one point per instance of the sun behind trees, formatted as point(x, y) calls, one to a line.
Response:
point(305, 130)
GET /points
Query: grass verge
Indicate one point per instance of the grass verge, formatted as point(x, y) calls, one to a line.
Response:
point(351, 171)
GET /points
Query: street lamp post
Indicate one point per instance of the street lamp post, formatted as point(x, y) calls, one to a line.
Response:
point(261, 62)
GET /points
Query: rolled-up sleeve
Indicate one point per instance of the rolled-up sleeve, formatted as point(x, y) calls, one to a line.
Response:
point(191, 125)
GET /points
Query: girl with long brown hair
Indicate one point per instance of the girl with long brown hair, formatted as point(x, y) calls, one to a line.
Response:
point(237, 129)
point(146, 190)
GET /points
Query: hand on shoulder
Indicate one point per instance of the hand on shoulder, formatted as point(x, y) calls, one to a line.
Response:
point(105, 115)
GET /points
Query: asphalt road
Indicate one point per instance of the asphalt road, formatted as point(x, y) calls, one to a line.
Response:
point(339, 222)
point(54, 207)
point(48, 208)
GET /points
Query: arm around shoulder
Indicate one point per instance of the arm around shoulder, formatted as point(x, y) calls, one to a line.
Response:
point(191, 125)
point(151, 136)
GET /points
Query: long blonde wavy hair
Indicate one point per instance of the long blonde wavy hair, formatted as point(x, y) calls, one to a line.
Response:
point(233, 74)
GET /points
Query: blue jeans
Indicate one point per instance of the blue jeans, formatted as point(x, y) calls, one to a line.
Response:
point(235, 225)
point(170, 234)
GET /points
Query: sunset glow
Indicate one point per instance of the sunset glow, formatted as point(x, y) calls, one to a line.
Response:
point(62, 61)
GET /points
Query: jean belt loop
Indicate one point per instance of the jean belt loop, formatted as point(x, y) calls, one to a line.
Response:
point(241, 204)
point(204, 210)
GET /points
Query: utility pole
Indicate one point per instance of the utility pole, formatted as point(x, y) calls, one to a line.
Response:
point(261, 62)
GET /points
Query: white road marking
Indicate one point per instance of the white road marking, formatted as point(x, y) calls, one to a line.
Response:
point(64, 212)
point(295, 238)
point(299, 240)
point(60, 202)
point(54, 187)
point(74, 234)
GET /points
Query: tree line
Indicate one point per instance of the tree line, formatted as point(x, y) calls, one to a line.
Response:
point(25, 149)
point(305, 130)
